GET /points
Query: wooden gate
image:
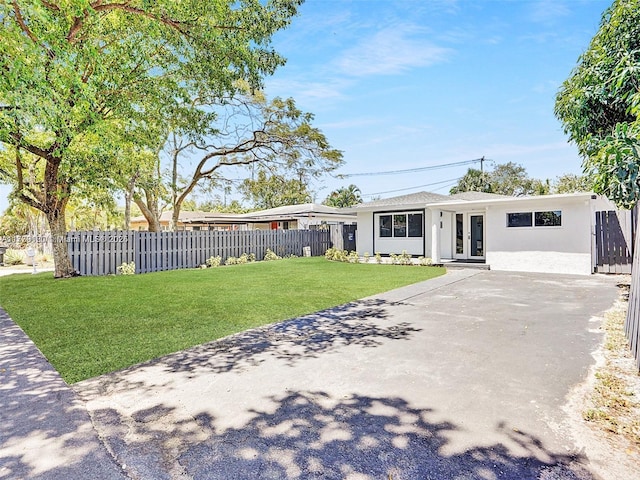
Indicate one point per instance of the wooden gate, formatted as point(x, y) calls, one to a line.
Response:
point(613, 242)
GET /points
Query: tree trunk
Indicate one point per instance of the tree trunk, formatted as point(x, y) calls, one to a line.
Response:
point(61, 258)
point(151, 213)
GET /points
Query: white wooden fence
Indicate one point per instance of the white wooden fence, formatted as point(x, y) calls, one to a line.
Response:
point(100, 253)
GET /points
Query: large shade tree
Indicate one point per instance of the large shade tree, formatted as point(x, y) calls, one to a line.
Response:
point(505, 179)
point(79, 77)
point(273, 137)
point(270, 190)
point(599, 105)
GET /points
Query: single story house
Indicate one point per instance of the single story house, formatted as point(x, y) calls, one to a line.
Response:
point(192, 220)
point(546, 233)
point(291, 217)
point(306, 216)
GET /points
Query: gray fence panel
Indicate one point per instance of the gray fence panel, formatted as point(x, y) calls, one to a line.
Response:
point(632, 322)
point(101, 253)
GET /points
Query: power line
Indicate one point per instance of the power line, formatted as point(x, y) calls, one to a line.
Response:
point(412, 170)
point(451, 180)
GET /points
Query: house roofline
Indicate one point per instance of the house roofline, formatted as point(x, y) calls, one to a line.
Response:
point(498, 201)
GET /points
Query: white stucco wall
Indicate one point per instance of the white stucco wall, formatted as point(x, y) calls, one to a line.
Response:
point(563, 249)
point(364, 233)
point(368, 236)
point(446, 235)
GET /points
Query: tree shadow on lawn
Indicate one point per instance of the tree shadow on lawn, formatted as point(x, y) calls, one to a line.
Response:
point(310, 435)
point(45, 431)
point(366, 323)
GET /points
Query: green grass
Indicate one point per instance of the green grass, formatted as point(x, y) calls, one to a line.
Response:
point(88, 326)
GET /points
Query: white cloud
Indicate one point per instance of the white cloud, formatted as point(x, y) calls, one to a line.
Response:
point(548, 11)
point(390, 51)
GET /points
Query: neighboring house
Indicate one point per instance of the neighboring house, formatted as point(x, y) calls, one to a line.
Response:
point(305, 216)
point(546, 233)
point(291, 217)
point(192, 220)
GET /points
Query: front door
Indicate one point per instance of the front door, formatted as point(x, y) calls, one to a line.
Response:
point(469, 238)
point(476, 236)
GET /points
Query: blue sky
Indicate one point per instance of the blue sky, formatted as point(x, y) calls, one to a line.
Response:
point(412, 83)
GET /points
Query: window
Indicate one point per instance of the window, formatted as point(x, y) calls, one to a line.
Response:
point(522, 219)
point(551, 218)
point(399, 225)
point(385, 225)
point(548, 219)
point(415, 225)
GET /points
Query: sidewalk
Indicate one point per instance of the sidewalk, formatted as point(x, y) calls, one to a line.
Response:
point(45, 430)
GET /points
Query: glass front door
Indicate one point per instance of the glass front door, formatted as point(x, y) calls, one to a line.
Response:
point(469, 236)
point(476, 225)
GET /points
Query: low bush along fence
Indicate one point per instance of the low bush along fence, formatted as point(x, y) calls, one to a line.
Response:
point(102, 253)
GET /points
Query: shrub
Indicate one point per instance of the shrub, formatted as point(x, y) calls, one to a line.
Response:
point(353, 257)
point(231, 261)
point(404, 258)
point(424, 261)
point(271, 255)
point(13, 257)
point(127, 268)
point(214, 261)
point(367, 256)
point(336, 255)
point(44, 257)
point(378, 257)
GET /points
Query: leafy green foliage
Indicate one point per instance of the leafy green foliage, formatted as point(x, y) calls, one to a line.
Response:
point(13, 257)
point(505, 179)
point(80, 80)
point(275, 137)
point(344, 197)
point(87, 326)
point(571, 183)
point(270, 256)
point(270, 191)
point(600, 101)
point(214, 261)
point(127, 268)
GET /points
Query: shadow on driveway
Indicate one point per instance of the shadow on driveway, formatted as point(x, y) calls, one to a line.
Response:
point(312, 435)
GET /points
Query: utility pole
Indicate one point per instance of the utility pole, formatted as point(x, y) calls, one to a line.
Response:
point(481, 164)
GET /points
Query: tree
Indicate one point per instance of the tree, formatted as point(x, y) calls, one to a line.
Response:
point(344, 197)
point(79, 77)
point(271, 191)
point(249, 131)
point(505, 179)
point(472, 181)
point(599, 105)
point(571, 183)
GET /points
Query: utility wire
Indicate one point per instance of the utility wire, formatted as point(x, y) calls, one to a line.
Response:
point(451, 180)
point(412, 170)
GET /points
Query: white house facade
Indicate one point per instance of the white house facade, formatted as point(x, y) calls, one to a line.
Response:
point(547, 233)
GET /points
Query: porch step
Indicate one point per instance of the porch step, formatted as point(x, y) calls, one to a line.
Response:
point(476, 265)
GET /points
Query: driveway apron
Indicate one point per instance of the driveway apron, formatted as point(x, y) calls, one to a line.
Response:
point(460, 377)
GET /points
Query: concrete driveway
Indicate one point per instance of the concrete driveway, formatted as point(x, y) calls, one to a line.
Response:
point(461, 377)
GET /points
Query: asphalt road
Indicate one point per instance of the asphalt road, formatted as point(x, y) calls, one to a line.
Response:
point(461, 377)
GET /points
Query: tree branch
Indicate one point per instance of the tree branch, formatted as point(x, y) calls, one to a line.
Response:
point(21, 22)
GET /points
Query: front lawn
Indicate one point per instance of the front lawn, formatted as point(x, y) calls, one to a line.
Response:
point(88, 326)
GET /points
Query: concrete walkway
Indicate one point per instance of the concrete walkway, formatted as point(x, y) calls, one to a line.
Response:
point(45, 430)
point(461, 377)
